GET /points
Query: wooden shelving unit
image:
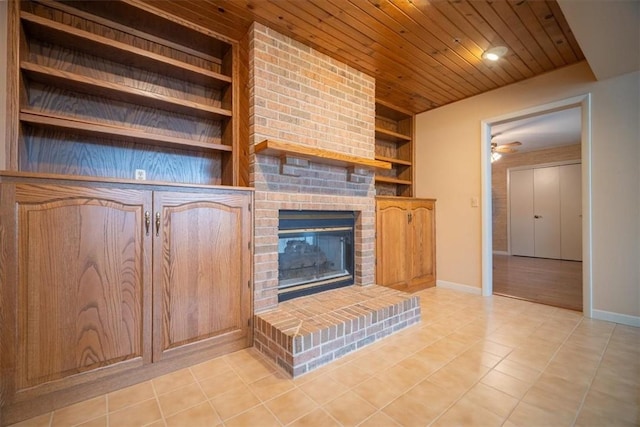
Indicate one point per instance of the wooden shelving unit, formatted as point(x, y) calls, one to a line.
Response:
point(110, 87)
point(394, 144)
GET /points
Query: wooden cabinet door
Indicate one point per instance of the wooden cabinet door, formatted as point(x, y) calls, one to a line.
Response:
point(202, 270)
point(83, 283)
point(392, 259)
point(422, 244)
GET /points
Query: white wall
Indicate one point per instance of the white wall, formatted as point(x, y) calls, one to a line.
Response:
point(448, 168)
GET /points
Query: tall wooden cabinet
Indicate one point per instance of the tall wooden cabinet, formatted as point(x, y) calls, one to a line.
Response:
point(107, 280)
point(405, 243)
point(104, 285)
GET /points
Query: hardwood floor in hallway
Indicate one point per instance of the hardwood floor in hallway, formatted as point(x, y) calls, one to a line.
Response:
point(545, 281)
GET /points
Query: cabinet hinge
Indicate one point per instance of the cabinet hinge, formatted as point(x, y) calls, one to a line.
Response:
point(249, 284)
point(249, 245)
point(249, 322)
point(249, 207)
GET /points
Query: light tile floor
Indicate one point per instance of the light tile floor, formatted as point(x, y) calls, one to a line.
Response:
point(471, 361)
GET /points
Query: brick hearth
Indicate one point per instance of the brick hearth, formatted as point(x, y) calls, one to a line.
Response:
point(308, 332)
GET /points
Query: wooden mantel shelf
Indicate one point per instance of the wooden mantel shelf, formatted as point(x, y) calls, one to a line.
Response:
point(317, 155)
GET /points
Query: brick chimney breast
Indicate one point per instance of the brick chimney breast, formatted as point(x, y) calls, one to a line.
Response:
point(302, 96)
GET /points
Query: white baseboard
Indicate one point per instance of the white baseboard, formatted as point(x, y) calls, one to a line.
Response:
point(458, 287)
point(623, 319)
point(500, 253)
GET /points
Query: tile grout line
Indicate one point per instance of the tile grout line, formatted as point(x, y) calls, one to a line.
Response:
point(490, 370)
point(206, 398)
point(262, 403)
point(595, 372)
point(544, 369)
point(156, 397)
point(467, 391)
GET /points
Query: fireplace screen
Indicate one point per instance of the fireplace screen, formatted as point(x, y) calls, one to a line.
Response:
point(315, 252)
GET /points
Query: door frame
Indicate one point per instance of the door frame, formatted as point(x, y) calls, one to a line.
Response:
point(584, 102)
point(517, 168)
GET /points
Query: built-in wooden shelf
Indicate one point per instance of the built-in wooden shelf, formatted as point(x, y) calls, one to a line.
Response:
point(104, 130)
point(391, 180)
point(317, 155)
point(393, 160)
point(57, 33)
point(388, 135)
point(92, 86)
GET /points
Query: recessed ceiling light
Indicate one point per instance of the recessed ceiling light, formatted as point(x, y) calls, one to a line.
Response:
point(495, 53)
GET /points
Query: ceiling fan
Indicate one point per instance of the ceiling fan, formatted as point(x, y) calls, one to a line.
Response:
point(498, 150)
point(505, 148)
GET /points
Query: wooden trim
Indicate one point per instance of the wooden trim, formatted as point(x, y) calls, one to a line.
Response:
point(317, 155)
point(12, 89)
point(102, 181)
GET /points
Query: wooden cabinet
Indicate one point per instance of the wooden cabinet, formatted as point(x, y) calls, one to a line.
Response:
point(202, 270)
point(394, 144)
point(104, 280)
point(105, 88)
point(105, 285)
point(405, 243)
point(82, 295)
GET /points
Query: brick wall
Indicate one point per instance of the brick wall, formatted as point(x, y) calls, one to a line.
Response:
point(499, 183)
point(302, 96)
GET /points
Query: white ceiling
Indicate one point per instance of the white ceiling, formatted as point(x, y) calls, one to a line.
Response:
point(542, 131)
point(608, 32)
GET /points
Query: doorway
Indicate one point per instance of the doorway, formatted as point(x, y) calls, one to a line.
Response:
point(488, 260)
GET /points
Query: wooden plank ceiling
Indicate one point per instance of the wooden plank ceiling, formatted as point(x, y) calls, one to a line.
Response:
point(423, 54)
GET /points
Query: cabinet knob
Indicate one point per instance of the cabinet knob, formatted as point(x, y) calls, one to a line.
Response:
point(537, 216)
point(157, 224)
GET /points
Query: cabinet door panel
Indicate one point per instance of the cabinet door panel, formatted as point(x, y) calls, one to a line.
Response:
point(422, 246)
point(392, 258)
point(81, 291)
point(202, 268)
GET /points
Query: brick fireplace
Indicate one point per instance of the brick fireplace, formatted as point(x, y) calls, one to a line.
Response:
point(302, 96)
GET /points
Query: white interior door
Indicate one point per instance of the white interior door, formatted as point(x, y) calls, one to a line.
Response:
point(571, 212)
point(546, 212)
point(521, 212)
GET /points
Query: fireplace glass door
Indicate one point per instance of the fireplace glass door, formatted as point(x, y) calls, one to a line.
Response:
point(315, 252)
